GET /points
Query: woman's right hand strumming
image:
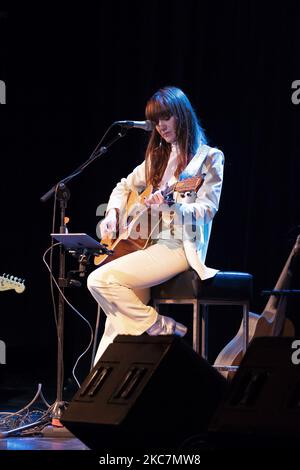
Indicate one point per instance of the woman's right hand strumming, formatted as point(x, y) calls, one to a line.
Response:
point(108, 226)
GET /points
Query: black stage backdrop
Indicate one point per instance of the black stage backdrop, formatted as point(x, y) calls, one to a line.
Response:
point(71, 72)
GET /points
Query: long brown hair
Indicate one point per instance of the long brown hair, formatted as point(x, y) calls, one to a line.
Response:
point(167, 102)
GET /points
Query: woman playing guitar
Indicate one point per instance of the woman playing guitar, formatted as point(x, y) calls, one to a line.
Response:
point(176, 152)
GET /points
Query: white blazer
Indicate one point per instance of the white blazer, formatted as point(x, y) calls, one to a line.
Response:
point(208, 162)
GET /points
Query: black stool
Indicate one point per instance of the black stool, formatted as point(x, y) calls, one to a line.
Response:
point(225, 288)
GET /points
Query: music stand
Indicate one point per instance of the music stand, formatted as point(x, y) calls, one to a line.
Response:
point(82, 246)
point(79, 241)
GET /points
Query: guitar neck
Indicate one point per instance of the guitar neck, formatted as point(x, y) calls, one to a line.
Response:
point(168, 191)
point(275, 305)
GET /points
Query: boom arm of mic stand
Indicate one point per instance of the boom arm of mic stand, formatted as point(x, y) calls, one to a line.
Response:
point(95, 154)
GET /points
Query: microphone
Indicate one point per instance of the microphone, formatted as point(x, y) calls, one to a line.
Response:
point(145, 125)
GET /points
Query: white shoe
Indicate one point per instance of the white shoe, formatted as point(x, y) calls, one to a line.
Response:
point(166, 326)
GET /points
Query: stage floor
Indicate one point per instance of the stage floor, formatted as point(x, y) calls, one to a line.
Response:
point(41, 443)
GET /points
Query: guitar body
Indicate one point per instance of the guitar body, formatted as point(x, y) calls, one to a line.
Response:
point(120, 247)
point(271, 322)
point(125, 244)
point(136, 230)
point(232, 353)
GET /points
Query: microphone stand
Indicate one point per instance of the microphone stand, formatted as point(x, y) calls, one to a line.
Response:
point(63, 195)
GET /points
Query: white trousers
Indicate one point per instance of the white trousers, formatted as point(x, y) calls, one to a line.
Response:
point(122, 288)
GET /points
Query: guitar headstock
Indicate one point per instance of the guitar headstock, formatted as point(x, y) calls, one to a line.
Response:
point(11, 282)
point(189, 184)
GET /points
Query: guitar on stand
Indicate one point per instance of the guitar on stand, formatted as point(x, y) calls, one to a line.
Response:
point(272, 321)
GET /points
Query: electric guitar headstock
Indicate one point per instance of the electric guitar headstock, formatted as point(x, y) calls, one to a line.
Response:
point(11, 282)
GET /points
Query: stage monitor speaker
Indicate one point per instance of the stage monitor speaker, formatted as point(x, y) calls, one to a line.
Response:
point(262, 408)
point(145, 392)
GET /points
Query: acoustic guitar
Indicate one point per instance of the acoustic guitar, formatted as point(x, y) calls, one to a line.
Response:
point(137, 230)
point(10, 282)
point(271, 322)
